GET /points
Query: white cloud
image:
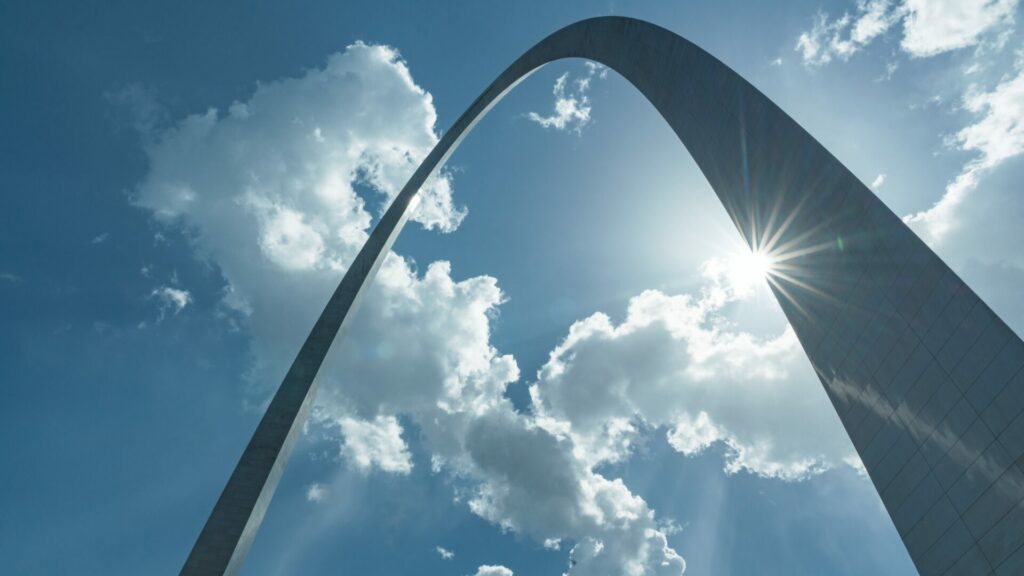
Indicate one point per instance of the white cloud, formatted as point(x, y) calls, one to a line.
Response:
point(298, 144)
point(935, 26)
point(776, 62)
point(996, 136)
point(692, 435)
point(890, 70)
point(10, 277)
point(315, 493)
point(289, 241)
point(873, 19)
point(857, 464)
point(930, 27)
point(675, 362)
point(572, 105)
point(444, 553)
point(451, 384)
point(375, 443)
point(878, 181)
point(100, 238)
point(266, 193)
point(846, 35)
point(539, 483)
point(171, 298)
point(487, 570)
point(999, 134)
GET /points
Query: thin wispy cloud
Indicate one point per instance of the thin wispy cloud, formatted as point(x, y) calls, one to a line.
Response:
point(890, 70)
point(929, 28)
point(315, 493)
point(572, 105)
point(996, 135)
point(170, 299)
point(843, 37)
point(143, 110)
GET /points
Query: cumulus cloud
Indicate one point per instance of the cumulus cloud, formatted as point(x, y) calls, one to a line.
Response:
point(878, 181)
point(675, 363)
point(933, 27)
point(267, 192)
point(523, 477)
point(538, 482)
point(572, 105)
point(302, 143)
point(375, 443)
point(996, 136)
point(929, 27)
point(487, 570)
point(444, 553)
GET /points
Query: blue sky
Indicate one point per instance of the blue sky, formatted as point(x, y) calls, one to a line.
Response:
point(566, 357)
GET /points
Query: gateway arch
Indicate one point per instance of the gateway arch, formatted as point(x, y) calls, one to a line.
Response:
point(925, 377)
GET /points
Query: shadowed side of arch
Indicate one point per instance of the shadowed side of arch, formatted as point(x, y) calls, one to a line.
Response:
point(924, 376)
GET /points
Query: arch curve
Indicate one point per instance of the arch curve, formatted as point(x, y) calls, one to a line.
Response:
point(911, 359)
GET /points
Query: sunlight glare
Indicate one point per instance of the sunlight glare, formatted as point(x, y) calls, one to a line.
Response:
point(749, 270)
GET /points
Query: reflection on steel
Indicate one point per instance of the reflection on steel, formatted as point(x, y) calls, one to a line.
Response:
point(924, 376)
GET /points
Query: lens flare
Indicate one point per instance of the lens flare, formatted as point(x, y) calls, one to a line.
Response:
point(748, 270)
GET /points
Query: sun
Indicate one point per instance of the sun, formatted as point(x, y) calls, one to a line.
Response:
point(749, 269)
point(759, 263)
